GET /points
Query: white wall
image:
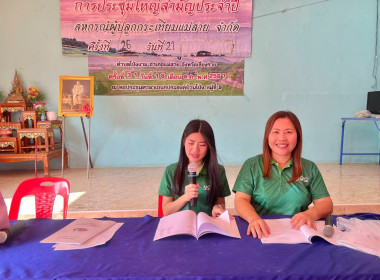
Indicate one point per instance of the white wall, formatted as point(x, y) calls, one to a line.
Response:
point(316, 60)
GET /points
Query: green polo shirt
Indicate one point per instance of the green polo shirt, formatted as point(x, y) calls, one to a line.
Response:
point(202, 206)
point(274, 196)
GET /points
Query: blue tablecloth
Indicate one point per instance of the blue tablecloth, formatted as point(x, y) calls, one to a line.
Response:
point(131, 253)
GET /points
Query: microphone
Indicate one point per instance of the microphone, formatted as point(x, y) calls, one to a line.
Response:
point(8, 233)
point(192, 168)
point(328, 229)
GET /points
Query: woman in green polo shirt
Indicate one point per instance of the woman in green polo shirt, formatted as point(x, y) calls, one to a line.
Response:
point(280, 182)
point(198, 147)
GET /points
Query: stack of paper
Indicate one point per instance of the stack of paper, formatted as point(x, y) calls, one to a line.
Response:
point(83, 233)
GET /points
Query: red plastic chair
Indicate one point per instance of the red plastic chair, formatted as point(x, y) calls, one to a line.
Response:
point(45, 189)
point(160, 212)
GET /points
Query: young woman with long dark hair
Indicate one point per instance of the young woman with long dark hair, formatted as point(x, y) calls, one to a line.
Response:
point(211, 188)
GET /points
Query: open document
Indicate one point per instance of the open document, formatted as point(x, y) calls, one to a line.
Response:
point(84, 232)
point(282, 232)
point(360, 235)
point(187, 222)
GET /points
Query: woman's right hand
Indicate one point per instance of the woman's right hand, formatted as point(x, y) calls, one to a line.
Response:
point(191, 191)
point(258, 228)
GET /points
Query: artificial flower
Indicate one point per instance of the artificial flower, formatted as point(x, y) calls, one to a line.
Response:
point(33, 94)
point(86, 108)
point(39, 107)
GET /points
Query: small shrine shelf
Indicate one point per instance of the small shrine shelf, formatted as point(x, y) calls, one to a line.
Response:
point(41, 133)
point(41, 156)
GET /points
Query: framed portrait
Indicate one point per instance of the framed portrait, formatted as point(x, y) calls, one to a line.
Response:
point(76, 94)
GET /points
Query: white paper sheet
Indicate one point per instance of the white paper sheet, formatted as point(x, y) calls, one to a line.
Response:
point(222, 225)
point(361, 235)
point(182, 222)
point(79, 231)
point(97, 240)
point(282, 232)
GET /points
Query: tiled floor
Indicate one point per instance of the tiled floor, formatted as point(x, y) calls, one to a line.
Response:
point(132, 191)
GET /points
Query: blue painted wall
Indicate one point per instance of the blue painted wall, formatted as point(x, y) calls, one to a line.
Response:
point(315, 58)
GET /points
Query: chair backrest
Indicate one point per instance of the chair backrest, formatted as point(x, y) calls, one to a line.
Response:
point(160, 212)
point(26, 116)
point(45, 189)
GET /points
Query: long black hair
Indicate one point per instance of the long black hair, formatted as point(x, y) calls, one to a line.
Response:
point(210, 160)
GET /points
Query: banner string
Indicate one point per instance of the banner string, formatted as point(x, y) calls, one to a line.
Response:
point(285, 10)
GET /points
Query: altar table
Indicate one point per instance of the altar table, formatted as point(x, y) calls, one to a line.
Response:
point(132, 254)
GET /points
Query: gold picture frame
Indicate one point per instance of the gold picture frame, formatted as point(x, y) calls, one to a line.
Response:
point(74, 93)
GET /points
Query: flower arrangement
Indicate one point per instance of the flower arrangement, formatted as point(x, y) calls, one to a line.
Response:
point(86, 108)
point(35, 95)
point(39, 107)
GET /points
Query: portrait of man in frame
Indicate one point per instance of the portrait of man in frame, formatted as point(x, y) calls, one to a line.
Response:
point(75, 92)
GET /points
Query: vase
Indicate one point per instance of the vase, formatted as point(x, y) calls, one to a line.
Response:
point(51, 115)
point(43, 117)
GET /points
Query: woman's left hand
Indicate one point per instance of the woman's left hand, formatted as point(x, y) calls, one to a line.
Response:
point(217, 210)
point(301, 219)
point(322, 207)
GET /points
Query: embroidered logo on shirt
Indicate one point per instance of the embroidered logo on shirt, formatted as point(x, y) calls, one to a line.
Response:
point(303, 179)
point(206, 188)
